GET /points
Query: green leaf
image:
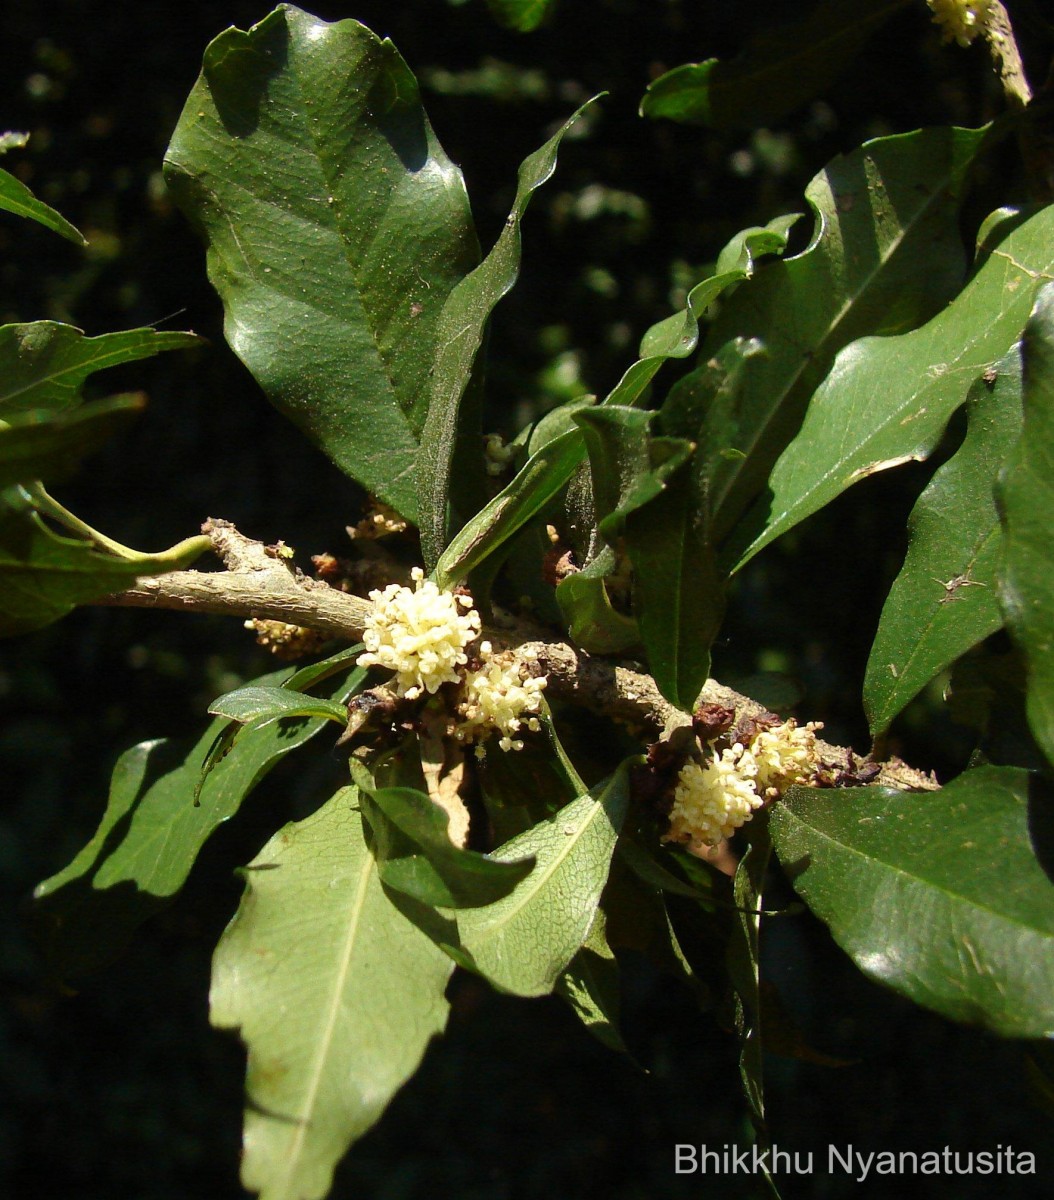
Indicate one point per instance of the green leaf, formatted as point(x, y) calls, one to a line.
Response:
point(735, 263)
point(888, 399)
point(938, 895)
point(678, 594)
point(152, 831)
point(593, 623)
point(44, 575)
point(534, 485)
point(781, 69)
point(943, 602)
point(885, 255)
point(450, 468)
point(1027, 588)
point(590, 985)
point(359, 989)
point(264, 704)
point(314, 673)
point(521, 15)
point(416, 856)
point(46, 363)
point(336, 229)
point(523, 942)
point(16, 198)
point(39, 446)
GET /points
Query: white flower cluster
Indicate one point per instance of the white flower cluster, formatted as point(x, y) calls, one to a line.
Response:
point(713, 800)
point(960, 20)
point(420, 634)
point(497, 697)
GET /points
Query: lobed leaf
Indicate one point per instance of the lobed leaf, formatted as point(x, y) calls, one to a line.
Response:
point(523, 942)
point(46, 363)
point(1026, 591)
point(782, 68)
point(938, 895)
point(336, 229)
point(943, 602)
point(450, 464)
point(153, 830)
point(887, 400)
point(359, 987)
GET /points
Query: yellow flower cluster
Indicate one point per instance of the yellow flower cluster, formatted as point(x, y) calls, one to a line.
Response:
point(420, 634)
point(497, 697)
point(960, 20)
point(713, 799)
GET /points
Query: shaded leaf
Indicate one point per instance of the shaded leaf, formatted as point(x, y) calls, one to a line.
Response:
point(38, 446)
point(264, 704)
point(1027, 588)
point(359, 987)
point(152, 831)
point(46, 363)
point(16, 198)
point(416, 856)
point(336, 229)
point(888, 399)
point(938, 895)
point(943, 602)
point(43, 574)
point(450, 466)
point(523, 942)
point(781, 69)
point(590, 985)
point(593, 623)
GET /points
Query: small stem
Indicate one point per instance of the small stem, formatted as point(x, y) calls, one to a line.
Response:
point(50, 507)
point(1002, 45)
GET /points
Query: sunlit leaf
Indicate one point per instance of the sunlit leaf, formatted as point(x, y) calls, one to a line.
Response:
point(336, 229)
point(359, 987)
point(16, 198)
point(944, 599)
point(152, 831)
point(263, 704)
point(887, 399)
point(1027, 499)
point(523, 942)
point(938, 895)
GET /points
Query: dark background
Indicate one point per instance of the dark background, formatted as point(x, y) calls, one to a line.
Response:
point(119, 1090)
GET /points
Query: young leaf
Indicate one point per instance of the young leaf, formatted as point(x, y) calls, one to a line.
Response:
point(943, 602)
point(44, 575)
point(781, 69)
point(262, 705)
point(888, 399)
point(938, 895)
point(16, 198)
point(336, 229)
point(152, 831)
point(45, 363)
point(416, 856)
point(40, 446)
point(450, 460)
point(585, 605)
point(1027, 588)
point(523, 942)
point(359, 987)
point(886, 254)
